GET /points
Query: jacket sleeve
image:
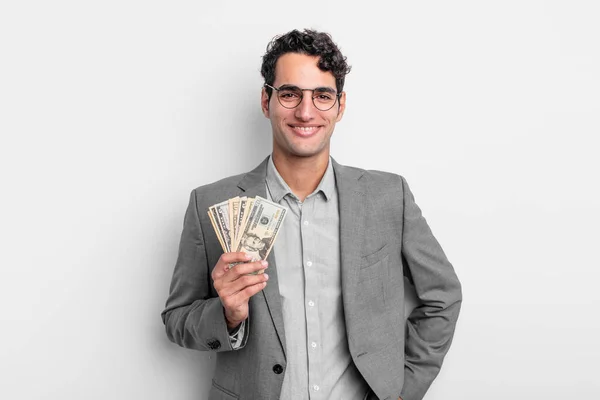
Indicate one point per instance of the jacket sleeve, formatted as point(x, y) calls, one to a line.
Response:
point(193, 318)
point(430, 326)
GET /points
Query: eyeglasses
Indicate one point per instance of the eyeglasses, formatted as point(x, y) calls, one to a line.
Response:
point(290, 96)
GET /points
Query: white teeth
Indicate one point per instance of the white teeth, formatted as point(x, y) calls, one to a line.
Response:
point(305, 128)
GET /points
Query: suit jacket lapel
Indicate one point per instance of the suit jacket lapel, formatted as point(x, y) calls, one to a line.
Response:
point(352, 198)
point(252, 185)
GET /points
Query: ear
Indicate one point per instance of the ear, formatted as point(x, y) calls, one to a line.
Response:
point(264, 102)
point(342, 107)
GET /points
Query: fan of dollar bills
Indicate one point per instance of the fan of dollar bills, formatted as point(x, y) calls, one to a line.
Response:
point(247, 224)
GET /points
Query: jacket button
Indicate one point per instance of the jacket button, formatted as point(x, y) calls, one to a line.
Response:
point(277, 369)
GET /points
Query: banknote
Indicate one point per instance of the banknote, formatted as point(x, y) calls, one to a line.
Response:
point(247, 224)
point(242, 216)
point(261, 228)
point(221, 213)
point(234, 213)
point(245, 210)
point(213, 220)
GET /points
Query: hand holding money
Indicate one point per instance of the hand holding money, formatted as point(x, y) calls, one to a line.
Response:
point(246, 229)
point(236, 285)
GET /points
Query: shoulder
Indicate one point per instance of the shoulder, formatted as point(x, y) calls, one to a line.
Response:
point(231, 186)
point(225, 183)
point(381, 180)
point(214, 192)
point(382, 177)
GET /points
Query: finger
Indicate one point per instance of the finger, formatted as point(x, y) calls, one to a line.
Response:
point(223, 282)
point(223, 265)
point(243, 295)
point(244, 269)
point(238, 256)
point(232, 288)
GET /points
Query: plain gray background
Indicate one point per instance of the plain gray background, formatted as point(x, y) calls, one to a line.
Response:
point(112, 111)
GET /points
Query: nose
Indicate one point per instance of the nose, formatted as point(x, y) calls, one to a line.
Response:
point(306, 109)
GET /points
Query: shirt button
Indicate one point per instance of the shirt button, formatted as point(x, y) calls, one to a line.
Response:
point(305, 223)
point(314, 345)
point(277, 368)
point(311, 303)
point(316, 387)
point(309, 264)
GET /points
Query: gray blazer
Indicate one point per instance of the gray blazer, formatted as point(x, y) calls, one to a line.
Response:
point(383, 238)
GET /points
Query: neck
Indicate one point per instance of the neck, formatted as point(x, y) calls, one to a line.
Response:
point(302, 174)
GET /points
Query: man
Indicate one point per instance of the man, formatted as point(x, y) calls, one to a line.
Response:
point(326, 319)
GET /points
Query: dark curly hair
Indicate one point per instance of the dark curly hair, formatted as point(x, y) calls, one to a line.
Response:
point(311, 43)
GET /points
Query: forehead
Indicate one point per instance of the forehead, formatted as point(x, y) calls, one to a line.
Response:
point(301, 70)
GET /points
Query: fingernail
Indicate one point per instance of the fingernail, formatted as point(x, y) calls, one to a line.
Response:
point(266, 276)
point(264, 263)
point(247, 256)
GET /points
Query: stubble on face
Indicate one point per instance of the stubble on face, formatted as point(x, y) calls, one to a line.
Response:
point(304, 131)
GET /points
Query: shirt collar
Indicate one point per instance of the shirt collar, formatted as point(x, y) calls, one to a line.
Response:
point(278, 188)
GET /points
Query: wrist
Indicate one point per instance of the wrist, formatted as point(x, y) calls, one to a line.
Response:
point(231, 323)
point(233, 327)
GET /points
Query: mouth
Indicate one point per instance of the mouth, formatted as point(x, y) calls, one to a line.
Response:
point(305, 131)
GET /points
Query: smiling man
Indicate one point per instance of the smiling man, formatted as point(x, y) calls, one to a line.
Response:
point(326, 320)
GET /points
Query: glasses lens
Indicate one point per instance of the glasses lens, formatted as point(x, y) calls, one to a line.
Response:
point(290, 98)
point(324, 100)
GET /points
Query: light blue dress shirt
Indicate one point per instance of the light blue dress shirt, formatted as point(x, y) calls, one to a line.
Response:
point(307, 254)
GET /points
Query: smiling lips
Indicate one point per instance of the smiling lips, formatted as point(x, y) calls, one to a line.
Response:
point(304, 131)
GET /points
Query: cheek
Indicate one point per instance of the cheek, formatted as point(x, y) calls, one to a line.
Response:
point(333, 117)
point(276, 114)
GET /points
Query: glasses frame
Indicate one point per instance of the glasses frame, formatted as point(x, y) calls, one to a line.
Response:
point(337, 98)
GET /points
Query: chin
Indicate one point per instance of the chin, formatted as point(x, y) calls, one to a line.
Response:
point(307, 153)
point(301, 148)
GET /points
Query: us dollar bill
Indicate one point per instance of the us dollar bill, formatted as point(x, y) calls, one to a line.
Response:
point(221, 212)
point(212, 216)
point(234, 213)
point(261, 228)
point(243, 210)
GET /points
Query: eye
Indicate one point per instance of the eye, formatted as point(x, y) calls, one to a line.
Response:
point(289, 95)
point(324, 96)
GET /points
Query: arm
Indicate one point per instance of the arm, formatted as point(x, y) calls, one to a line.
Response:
point(431, 325)
point(193, 316)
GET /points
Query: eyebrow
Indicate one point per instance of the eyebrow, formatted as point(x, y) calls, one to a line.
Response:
point(318, 89)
